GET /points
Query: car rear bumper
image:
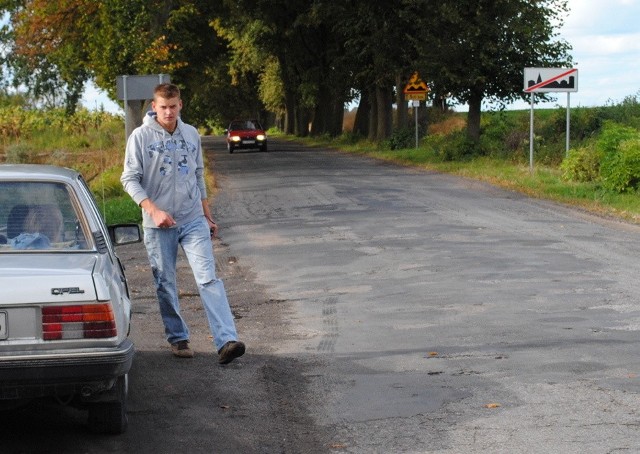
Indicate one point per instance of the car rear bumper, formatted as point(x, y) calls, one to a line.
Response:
point(38, 375)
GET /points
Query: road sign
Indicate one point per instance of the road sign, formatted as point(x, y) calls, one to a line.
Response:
point(548, 80)
point(130, 88)
point(415, 96)
point(416, 89)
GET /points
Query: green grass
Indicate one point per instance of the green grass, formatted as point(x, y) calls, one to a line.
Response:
point(120, 210)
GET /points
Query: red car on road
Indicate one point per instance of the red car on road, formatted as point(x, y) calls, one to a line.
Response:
point(246, 134)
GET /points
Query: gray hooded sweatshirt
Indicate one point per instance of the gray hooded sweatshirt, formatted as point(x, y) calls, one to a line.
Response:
point(167, 169)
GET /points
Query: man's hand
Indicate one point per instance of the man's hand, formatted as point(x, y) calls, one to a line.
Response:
point(213, 227)
point(161, 218)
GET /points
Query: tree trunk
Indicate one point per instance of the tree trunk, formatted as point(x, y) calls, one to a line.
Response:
point(440, 102)
point(321, 112)
point(302, 122)
point(361, 122)
point(373, 116)
point(402, 111)
point(473, 118)
point(385, 117)
point(337, 119)
point(290, 113)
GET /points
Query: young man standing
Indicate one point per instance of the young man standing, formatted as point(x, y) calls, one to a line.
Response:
point(164, 174)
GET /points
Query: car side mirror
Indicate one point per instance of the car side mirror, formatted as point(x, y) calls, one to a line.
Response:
point(124, 234)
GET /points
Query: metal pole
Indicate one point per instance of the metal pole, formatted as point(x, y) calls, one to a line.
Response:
point(126, 106)
point(415, 114)
point(568, 120)
point(531, 137)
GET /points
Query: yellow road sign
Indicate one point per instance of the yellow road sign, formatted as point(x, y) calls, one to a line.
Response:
point(415, 96)
point(415, 86)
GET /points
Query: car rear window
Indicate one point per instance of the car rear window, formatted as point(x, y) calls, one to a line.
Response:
point(39, 216)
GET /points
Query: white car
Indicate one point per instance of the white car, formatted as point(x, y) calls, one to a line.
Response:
point(64, 305)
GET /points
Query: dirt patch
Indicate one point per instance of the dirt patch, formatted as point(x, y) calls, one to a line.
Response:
point(258, 403)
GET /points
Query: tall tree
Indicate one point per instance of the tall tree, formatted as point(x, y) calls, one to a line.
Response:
point(478, 49)
point(47, 55)
point(377, 52)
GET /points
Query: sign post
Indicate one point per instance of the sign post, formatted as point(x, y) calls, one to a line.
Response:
point(548, 80)
point(415, 91)
point(136, 88)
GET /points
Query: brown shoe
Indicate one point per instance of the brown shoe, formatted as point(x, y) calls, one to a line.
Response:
point(230, 351)
point(181, 349)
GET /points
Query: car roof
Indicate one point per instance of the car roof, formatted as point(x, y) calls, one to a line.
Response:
point(241, 123)
point(36, 172)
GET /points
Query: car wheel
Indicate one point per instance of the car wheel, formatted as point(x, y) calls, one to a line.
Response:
point(263, 147)
point(230, 148)
point(111, 417)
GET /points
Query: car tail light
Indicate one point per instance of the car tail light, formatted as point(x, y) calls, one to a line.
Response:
point(84, 321)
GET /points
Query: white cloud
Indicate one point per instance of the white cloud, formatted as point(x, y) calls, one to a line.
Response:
point(606, 16)
point(605, 45)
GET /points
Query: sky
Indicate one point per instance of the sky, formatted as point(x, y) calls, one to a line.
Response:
point(605, 36)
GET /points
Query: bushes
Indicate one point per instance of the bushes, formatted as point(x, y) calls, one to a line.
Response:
point(620, 171)
point(401, 138)
point(18, 153)
point(453, 147)
point(613, 160)
point(582, 164)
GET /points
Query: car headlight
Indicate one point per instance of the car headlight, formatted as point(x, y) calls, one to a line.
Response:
point(235, 138)
point(261, 137)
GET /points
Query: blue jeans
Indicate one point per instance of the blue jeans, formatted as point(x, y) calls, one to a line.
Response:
point(195, 240)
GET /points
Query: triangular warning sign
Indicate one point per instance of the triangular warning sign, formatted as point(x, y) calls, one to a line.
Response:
point(415, 85)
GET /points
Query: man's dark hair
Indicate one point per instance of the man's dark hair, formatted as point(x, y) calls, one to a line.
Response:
point(166, 91)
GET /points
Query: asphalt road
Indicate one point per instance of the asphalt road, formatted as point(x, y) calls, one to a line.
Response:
point(385, 309)
point(443, 315)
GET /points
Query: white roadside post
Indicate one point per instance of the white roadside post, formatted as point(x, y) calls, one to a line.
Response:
point(416, 104)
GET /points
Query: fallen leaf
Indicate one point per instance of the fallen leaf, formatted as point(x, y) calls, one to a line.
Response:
point(338, 446)
point(225, 407)
point(493, 405)
point(433, 353)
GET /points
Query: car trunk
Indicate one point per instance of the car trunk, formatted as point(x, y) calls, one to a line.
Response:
point(36, 283)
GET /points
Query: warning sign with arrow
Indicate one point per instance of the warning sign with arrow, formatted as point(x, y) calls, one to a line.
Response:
point(547, 80)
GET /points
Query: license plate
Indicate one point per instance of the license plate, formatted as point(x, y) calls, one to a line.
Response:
point(248, 142)
point(4, 329)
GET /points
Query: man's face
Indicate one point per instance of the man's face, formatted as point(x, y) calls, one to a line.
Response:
point(167, 110)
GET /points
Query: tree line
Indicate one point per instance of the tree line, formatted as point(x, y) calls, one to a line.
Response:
point(293, 63)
